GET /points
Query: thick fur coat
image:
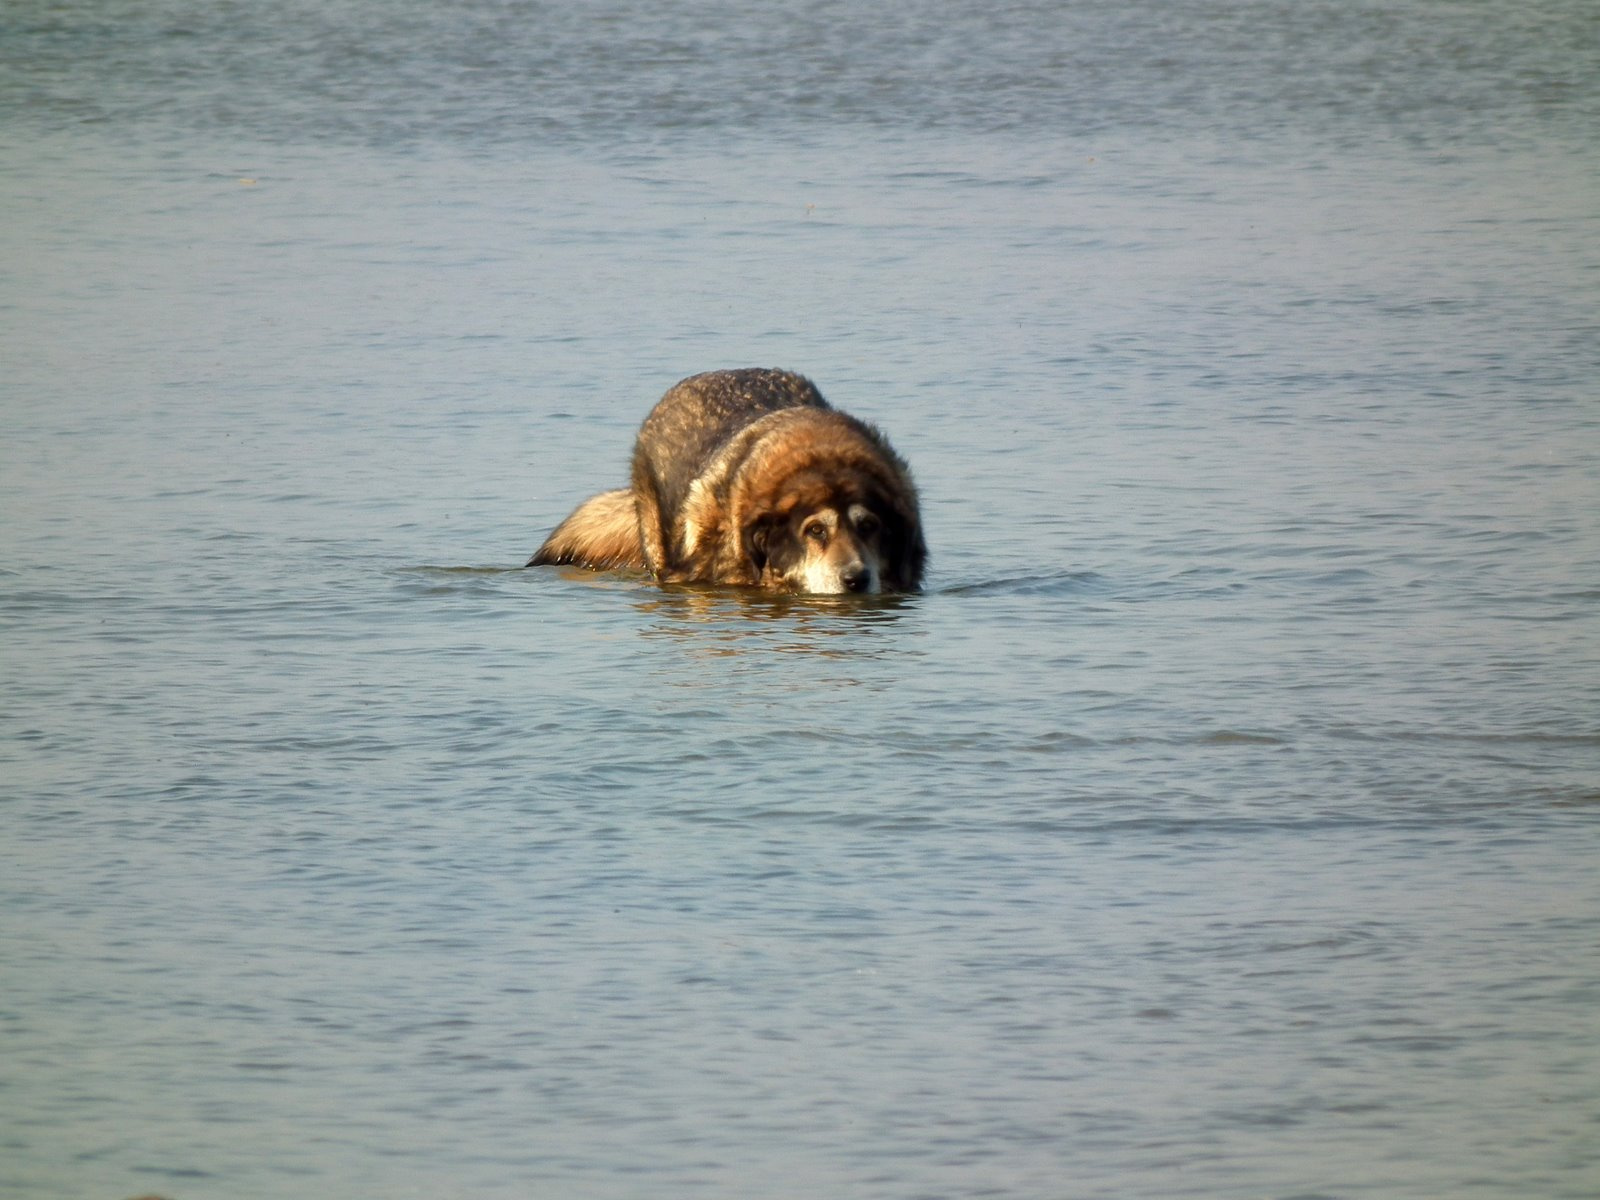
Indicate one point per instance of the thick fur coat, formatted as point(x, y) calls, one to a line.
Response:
point(750, 477)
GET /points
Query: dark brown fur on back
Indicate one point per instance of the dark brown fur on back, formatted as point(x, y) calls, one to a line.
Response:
point(729, 472)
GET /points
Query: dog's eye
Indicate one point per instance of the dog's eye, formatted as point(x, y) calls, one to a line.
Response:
point(816, 531)
point(867, 524)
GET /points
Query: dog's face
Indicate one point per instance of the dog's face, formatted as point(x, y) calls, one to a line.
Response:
point(830, 534)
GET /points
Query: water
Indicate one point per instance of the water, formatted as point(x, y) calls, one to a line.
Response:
point(1220, 822)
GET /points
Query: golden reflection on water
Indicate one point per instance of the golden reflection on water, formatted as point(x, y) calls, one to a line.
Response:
point(722, 622)
point(707, 603)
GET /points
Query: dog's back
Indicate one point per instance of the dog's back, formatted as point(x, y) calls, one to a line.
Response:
point(699, 416)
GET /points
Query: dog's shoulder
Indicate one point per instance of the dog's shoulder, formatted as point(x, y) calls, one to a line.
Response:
point(699, 416)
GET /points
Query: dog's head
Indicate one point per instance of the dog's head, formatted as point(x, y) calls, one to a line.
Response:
point(829, 531)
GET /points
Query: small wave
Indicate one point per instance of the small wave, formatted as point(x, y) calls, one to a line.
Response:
point(1043, 584)
point(1049, 583)
point(432, 580)
point(463, 571)
point(1478, 737)
point(1236, 737)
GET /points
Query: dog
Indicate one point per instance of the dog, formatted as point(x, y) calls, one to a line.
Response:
point(751, 478)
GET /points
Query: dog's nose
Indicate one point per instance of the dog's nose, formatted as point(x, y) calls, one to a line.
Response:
point(855, 579)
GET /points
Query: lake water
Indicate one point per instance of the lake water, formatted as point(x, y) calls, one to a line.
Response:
point(1220, 822)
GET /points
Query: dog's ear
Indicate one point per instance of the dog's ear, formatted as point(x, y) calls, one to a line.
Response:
point(904, 551)
point(758, 536)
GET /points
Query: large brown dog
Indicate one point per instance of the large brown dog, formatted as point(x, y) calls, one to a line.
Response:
point(749, 477)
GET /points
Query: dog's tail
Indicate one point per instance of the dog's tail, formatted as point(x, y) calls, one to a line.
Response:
point(602, 533)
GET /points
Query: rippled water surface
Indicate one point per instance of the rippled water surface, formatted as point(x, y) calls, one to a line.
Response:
point(1220, 822)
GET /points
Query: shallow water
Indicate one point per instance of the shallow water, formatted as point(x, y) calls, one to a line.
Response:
point(1219, 822)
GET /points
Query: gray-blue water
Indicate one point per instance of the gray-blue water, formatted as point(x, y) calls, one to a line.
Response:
point(1221, 821)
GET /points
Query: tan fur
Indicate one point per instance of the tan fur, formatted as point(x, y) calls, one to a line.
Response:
point(603, 533)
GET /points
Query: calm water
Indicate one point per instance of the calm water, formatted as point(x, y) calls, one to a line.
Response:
point(1221, 822)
